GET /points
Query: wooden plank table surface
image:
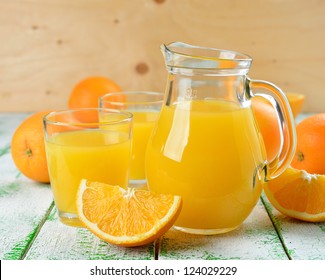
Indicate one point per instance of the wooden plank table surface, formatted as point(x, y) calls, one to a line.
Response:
point(30, 228)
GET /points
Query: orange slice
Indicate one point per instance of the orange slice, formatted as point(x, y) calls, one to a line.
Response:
point(126, 217)
point(296, 101)
point(298, 194)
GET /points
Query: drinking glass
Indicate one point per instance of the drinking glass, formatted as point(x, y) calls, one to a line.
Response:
point(92, 144)
point(145, 107)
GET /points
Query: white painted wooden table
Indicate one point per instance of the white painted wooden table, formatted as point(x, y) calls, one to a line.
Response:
point(30, 229)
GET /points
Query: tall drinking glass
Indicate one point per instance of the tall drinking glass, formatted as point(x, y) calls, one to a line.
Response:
point(94, 144)
point(145, 107)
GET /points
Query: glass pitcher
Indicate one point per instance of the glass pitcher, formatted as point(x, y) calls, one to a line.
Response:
point(206, 146)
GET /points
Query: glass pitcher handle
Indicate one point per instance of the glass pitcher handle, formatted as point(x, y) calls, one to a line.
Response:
point(285, 121)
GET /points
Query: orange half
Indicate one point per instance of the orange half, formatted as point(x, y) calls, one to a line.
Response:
point(298, 194)
point(126, 217)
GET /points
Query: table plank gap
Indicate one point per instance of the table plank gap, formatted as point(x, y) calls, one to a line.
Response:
point(302, 240)
point(37, 230)
point(157, 244)
point(276, 226)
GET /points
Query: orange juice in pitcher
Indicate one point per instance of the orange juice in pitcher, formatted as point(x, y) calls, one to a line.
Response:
point(206, 146)
point(215, 169)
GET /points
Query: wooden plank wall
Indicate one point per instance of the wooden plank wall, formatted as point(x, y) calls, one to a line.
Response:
point(47, 46)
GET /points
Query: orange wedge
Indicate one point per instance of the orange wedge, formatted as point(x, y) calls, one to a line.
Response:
point(298, 194)
point(126, 217)
point(296, 101)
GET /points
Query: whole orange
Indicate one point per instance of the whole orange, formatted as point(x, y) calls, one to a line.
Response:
point(85, 94)
point(268, 125)
point(28, 148)
point(310, 152)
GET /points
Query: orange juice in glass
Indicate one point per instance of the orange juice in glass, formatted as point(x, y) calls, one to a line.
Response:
point(80, 144)
point(145, 107)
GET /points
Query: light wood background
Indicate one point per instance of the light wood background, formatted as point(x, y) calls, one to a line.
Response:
point(47, 46)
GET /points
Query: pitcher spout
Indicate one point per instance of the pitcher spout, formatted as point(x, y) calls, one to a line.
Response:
point(187, 58)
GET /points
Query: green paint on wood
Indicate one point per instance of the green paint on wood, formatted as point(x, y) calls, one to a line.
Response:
point(106, 251)
point(208, 256)
point(53, 215)
point(178, 250)
point(4, 150)
point(86, 246)
point(277, 224)
point(19, 249)
point(9, 189)
point(322, 227)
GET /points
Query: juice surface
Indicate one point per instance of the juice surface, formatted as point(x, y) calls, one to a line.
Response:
point(210, 153)
point(143, 123)
point(95, 155)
